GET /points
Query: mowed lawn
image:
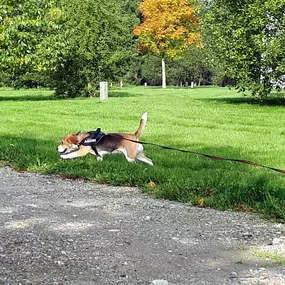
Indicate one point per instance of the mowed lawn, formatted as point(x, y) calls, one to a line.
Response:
point(215, 121)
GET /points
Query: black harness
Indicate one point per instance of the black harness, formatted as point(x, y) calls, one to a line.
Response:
point(93, 139)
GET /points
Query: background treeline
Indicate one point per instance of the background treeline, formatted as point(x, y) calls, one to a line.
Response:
point(71, 45)
point(68, 45)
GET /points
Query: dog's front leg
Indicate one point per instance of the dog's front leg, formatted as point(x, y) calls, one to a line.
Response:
point(70, 155)
point(81, 152)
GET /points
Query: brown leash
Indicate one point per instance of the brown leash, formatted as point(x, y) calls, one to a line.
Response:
point(208, 155)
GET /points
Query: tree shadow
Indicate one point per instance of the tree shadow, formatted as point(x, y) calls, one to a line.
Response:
point(26, 95)
point(273, 100)
point(23, 152)
point(204, 152)
point(203, 170)
point(29, 98)
point(118, 94)
point(180, 175)
point(50, 97)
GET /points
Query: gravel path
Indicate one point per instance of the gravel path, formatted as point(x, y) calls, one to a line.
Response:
point(67, 232)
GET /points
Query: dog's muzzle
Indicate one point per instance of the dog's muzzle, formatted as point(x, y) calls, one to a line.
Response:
point(61, 149)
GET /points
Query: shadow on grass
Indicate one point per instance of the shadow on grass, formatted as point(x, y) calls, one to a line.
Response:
point(224, 184)
point(23, 153)
point(273, 100)
point(37, 97)
point(41, 97)
point(202, 151)
point(118, 94)
point(179, 176)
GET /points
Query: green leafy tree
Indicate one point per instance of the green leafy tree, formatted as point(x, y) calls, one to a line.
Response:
point(100, 37)
point(248, 37)
point(195, 64)
point(27, 32)
point(131, 6)
point(75, 43)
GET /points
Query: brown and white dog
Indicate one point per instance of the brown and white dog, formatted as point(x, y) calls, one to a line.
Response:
point(75, 145)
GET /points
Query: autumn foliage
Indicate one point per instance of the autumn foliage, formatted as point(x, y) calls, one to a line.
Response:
point(168, 28)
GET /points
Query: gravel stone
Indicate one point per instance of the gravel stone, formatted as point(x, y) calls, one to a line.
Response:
point(72, 232)
point(159, 282)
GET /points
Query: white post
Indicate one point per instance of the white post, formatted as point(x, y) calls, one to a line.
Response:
point(192, 84)
point(163, 74)
point(145, 84)
point(103, 91)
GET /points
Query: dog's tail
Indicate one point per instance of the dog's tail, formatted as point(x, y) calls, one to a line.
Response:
point(142, 125)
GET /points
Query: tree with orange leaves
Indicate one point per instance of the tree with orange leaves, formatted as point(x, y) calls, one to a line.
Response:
point(168, 28)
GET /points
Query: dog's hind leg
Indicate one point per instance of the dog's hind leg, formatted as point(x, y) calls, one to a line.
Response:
point(129, 159)
point(141, 157)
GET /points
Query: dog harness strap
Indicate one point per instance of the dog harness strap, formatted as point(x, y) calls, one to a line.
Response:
point(93, 139)
point(95, 150)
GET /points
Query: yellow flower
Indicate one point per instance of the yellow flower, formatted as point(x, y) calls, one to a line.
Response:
point(201, 203)
point(151, 185)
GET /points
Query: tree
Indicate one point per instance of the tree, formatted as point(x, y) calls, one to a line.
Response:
point(249, 38)
point(169, 27)
point(27, 32)
point(194, 64)
point(75, 43)
point(131, 6)
point(100, 37)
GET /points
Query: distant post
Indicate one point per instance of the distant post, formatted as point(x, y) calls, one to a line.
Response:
point(192, 84)
point(103, 91)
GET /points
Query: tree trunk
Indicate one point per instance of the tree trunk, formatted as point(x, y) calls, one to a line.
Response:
point(163, 73)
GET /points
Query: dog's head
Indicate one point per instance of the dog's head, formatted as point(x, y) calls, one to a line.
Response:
point(68, 144)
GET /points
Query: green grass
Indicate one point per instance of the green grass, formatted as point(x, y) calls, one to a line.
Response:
point(276, 257)
point(214, 120)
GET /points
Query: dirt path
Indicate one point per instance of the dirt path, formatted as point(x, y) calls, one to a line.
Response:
point(59, 231)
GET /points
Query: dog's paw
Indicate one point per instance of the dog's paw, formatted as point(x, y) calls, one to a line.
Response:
point(63, 156)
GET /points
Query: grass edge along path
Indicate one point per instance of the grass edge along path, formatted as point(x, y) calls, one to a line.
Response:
point(215, 121)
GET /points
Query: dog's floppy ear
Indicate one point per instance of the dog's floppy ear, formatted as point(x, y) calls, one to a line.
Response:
point(73, 139)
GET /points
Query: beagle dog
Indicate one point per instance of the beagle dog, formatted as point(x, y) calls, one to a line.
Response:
point(99, 144)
